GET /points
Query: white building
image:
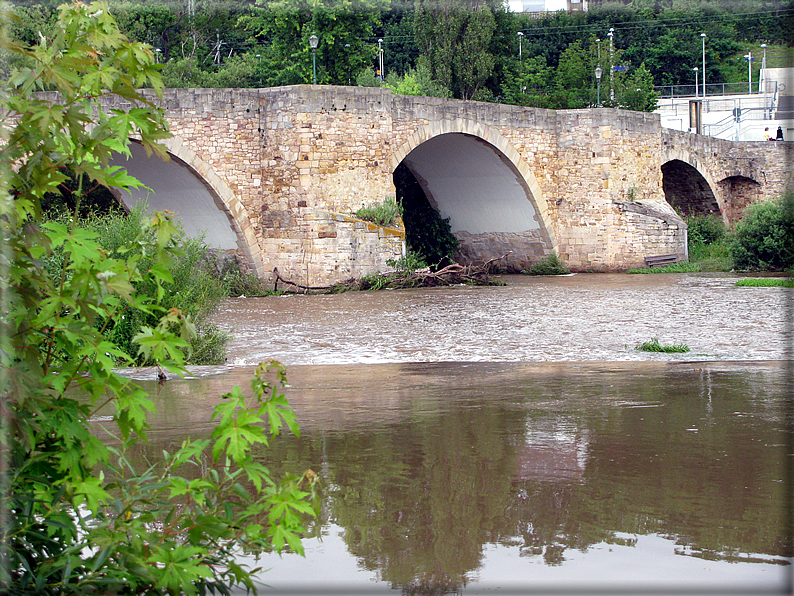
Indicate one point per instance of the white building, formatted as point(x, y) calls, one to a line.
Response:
point(540, 6)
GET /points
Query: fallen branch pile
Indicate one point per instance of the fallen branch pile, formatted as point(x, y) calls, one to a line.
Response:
point(450, 275)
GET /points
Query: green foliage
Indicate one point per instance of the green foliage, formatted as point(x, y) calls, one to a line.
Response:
point(764, 237)
point(416, 81)
point(654, 346)
point(679, 267)
point(637, 92)
point(765, 282)
point(470, 48)
point(708, 240)
point(407, 264)
point(238, 283)
point(549, 265)
point(457, 39)
point(427, 233)
point(193, 289)
point(78, 516)
point(705, 229)
point(386, 214)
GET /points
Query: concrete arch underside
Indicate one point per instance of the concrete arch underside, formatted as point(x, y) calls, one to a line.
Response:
point(199, 198)
point(473, 176)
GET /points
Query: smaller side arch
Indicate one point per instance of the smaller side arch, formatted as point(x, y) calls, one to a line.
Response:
point(681, 155)
point(493, 137)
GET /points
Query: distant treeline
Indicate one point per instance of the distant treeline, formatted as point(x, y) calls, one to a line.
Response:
point(468, 49)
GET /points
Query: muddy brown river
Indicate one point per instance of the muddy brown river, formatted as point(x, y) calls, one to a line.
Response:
point(511, 440)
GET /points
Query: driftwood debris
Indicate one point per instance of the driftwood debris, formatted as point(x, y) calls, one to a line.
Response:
point(453, 274)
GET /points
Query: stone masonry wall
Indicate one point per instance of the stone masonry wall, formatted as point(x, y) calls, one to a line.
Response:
point(298, 161)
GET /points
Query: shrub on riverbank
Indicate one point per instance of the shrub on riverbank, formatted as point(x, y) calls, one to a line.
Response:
point(82, 512)
point(548, 265)
point(708, 242)
point(764, 237)
point(194, 288)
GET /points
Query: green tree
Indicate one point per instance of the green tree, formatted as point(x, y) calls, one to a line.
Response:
point(527, 82)
point(417, 81)
point(456, 38)
point(637, 91)
point(77, 516)
point(573, 79)
point(283, 27)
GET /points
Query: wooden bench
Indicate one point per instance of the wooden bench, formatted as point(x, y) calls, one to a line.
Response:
point(661, 260)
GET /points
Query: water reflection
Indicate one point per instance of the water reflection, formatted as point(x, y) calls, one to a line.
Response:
point(438, 475)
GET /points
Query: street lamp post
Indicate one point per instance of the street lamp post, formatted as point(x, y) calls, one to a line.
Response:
point(611, 34)
point(749, 57)
point(598, 72)
point(520, 38)
point(313, 41)
point(696, 81)
point(380, 60)
point(347, 55)
point(703, 39)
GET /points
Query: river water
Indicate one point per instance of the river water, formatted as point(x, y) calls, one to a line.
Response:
point(511, 440)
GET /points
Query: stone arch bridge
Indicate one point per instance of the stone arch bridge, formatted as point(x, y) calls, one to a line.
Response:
point(277, 174)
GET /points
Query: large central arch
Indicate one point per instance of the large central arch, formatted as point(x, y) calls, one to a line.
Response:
point(473, 176)
point(199, 198)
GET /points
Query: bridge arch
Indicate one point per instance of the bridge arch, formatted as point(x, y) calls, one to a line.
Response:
point(688, 185)
point(189, 187)
point(472, 175)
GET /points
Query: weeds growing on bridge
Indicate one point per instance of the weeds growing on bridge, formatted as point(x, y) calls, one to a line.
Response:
point(654, 346)
point(385, 214)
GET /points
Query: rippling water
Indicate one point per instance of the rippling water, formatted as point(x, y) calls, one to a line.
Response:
point(583, 317)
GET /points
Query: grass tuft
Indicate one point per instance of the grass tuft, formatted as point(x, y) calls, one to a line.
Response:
point(385, 214)
point(548, 265)
point(654, 346)
point(680, 267)
point(766, 282)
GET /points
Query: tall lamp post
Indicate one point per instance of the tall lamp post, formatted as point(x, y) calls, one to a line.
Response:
point(703, 39)
point(520, 38)
point(749, 57)
point(611, 34)
point(380, 60)
point(598, 72)
point(313, 41)
point(347, 55)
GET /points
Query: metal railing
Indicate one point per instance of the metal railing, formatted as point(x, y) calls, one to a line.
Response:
point(765, 102)
point(734, 122)
point(713, 90)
